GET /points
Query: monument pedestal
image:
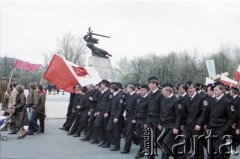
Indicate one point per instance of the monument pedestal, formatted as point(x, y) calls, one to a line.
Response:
point(103, 66)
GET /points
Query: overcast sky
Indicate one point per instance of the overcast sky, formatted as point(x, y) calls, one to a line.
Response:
point(29, 29)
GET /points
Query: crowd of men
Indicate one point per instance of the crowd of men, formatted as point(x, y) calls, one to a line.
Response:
point(102, 114)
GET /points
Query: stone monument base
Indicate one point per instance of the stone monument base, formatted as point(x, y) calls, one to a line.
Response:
point(103, 66)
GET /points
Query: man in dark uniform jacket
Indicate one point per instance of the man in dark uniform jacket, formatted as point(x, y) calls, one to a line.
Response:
point(182, 97)
point(153, 107)
point(234, 92)
point(75, 103)
point(100, 123)
point(69, 110)
point(130, 107)
point(79, 112)
point(92, 99)
point(227, 91)
point(84, 107)
point(115, 111)
point(141, 116)
point(221, 118)
point(195, 112)
point(170, 119)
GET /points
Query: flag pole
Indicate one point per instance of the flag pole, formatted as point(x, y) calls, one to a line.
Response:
point(10, 79)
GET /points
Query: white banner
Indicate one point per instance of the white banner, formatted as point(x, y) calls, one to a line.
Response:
point(211, 68)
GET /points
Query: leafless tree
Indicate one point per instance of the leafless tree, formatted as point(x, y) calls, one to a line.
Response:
point(73, 49)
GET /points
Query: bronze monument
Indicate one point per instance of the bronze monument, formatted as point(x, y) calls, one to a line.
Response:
point(90, 44)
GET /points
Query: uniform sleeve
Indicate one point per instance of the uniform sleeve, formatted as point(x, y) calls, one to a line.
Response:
point(42, 101)
point(178, 111)
point(230, 115)
point(121, 108)
point(204, 112)
point(238, 114)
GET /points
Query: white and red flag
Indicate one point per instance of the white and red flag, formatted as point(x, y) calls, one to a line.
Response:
point(65, 75)
point(227, 81)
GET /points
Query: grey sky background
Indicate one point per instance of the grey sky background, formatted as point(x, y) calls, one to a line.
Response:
point(29, 29)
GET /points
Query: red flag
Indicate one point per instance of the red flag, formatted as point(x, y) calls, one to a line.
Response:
point(27, 66)
point(59, 74)
point(237, 74)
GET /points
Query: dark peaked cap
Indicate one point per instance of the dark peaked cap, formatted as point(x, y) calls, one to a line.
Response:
point(153, 79)
point(167, 85)
point(217, 84)
point(235, 89)
point(105, 81)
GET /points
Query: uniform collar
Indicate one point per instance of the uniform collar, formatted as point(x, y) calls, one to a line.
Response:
point(114, 94)
point(218, 98)
point(193, 95)
point(154, 91)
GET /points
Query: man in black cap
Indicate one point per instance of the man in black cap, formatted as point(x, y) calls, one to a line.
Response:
point(71, 118)
point(221, 119)
point(141, 116)
point(195, 112)
point(115, 111)
point(227, 91)
point(100, 123)
point(92, 101)
point(170, 119)
point(153, 106)
point(130, 107)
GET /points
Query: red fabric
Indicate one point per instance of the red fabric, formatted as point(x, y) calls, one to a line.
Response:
point(23, 65)
point(59, 74)
point(237, 76)
point(80, 71)
point(41, 91)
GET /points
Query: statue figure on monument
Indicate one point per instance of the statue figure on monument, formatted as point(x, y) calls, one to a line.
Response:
point(91, 41)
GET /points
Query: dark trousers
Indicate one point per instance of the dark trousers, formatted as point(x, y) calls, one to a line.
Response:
point(114, 132)
point(153, 124)
point(42, 125)
point(75, 124)
point(139, 133)
point(169, 141)
point(189, 131)
point(70, 121)
point(91, 120)
point(81, 126)
point(216, 143)
point(99, 128)
point(130, 136)
point(69, 113)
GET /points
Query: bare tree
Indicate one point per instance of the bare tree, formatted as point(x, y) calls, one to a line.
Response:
point(73, 49)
